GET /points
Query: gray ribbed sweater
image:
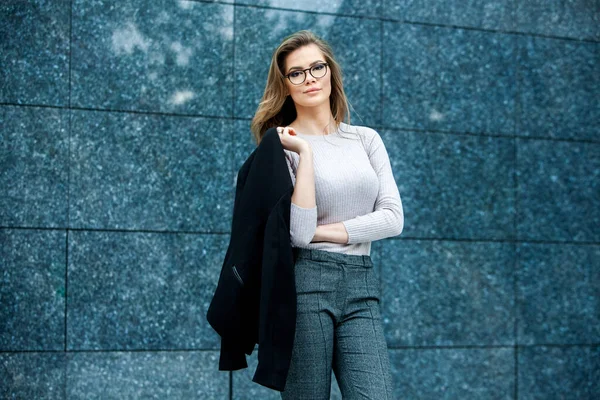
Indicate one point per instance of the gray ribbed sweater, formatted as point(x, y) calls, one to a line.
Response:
point(354, 185)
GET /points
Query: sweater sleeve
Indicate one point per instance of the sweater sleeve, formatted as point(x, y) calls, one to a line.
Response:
point(387, 219)
point(303, 221)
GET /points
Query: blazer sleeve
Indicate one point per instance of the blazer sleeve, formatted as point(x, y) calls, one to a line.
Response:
point(231, 356)
point(277, 315)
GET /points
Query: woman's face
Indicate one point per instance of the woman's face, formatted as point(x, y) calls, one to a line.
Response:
point(302, 58)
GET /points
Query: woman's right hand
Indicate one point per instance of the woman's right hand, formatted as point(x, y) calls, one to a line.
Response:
point(290, 141)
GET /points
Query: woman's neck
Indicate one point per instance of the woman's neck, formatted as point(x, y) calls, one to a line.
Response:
point(311, 123)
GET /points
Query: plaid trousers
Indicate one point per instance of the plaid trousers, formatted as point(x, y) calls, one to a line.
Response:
point(338, 327)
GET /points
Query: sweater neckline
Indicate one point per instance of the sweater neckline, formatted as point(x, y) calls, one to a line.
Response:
point(334, 133)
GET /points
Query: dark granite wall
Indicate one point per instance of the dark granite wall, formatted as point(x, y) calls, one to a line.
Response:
point(123, 124)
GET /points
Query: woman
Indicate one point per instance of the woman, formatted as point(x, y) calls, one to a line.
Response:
point(345, 197)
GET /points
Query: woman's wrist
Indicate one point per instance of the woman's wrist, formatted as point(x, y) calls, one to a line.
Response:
point(335, 233)
point(305, 151)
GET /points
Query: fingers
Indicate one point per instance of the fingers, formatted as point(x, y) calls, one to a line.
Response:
point(287, 129)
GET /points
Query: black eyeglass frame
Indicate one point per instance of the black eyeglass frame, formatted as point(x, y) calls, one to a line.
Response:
point(304, 72)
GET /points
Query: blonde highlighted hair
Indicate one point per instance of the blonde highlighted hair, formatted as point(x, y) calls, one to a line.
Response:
point(276, 107)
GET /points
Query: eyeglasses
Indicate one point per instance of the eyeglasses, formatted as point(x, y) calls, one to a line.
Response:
point(299, 76)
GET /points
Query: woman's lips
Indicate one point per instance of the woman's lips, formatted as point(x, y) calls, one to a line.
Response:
point(312, 90)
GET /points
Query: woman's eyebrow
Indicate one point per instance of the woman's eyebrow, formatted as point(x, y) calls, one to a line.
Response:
point(314, 62)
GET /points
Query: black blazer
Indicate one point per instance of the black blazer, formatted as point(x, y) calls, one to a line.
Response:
point(255, 299)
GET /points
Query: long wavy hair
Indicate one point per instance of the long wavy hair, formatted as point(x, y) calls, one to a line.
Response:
point(276, 107)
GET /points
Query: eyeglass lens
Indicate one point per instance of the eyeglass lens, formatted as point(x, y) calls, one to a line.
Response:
point(317, 71)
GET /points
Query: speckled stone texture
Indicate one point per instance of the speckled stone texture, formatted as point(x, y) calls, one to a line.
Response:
point(243, 144)
point(32, 290)
point(558, 99)
point(489, 14)
point(578, 19)
point(448, 79)
point(369, 8)
point(472, 373)
point(558, 289)
point(559, 190)
point(169, 56)
point(142, 290)
point(454, 186)
point(440, 293)
point(33, 167)
point(559, 372)
point(123, 125)
point(34, 52)
point(137, 171)
point(145, 375)
point(33, 375)
point(355, 42)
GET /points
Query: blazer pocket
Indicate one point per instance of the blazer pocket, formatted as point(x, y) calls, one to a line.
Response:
point(237, 275)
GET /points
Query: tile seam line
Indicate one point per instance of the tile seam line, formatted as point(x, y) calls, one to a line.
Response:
point(507, 346)
point(69, 351)
point(516, 122)
point(483, 134)
point(411, 238)
point(381, 127)
point(489, 30)
point(68, 114)
point(65, 346)
point(381, 80)
point(113, 110)
point(216, 349)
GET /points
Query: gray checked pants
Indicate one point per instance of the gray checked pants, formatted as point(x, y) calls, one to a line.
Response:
point(338, 326)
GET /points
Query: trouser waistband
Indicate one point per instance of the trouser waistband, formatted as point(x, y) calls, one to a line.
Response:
point(330, 256)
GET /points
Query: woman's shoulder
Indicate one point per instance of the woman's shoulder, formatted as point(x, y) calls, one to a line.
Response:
point(365, 133)
point(362, 130)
